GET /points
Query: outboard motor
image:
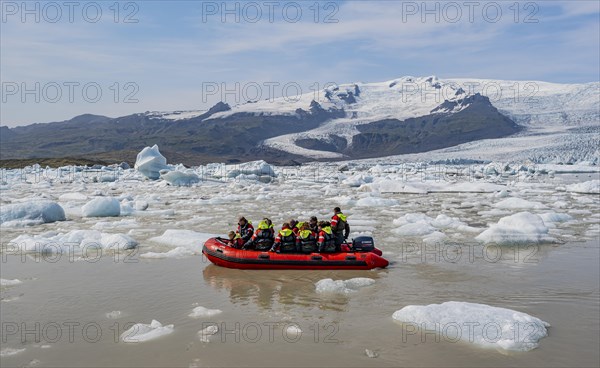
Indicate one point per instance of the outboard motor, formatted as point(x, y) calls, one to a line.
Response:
point(363, 244)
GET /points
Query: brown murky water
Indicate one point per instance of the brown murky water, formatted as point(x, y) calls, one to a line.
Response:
point(559, 284)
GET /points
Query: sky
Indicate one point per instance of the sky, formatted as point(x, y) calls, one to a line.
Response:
point(62, 59)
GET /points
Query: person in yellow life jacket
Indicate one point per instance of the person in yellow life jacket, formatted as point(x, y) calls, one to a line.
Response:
point(262, 239)
point(306, 240)
point(326, 240)
point(285, 242)
point(339, 226)
point(245, 229)
point(235, 240)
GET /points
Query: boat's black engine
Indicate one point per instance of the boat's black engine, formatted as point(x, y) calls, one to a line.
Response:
point(363, 244)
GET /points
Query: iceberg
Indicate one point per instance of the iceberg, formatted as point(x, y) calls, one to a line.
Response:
point(478, 324)
point(587, 187)
point(141, 332)
point(180, 178)
point(150, 162)
point(200, 311)
point(342, 286)
point(520, 228)
point(31, 213)
point(102, 207)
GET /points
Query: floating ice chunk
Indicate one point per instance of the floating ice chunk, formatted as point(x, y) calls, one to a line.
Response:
point(114, 314)
point(178, 252)
point(293, 331)
point(125, 223)
point(72, 197)
point(31, 213)
point(257, 168)
point(518, 203)
point(435, 237)
point(343, 286)
point(522, 227)
point(180, 178)
point(199, 312)
point(5, 282)
point(371, 354)
point(6, 352)
point(150, 162)
point(183, 238)
point(376, 202)
point(141, 332)
point(101, 207)
point(588, 187)
point(205, 333)
point(555, 217)
point(478, 324)
point(415, 229)
point(59, 243)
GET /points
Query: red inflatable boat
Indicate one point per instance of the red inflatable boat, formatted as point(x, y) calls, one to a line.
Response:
point(219, 253)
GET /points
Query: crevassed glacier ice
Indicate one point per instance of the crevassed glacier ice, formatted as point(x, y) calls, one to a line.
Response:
point(478, 324)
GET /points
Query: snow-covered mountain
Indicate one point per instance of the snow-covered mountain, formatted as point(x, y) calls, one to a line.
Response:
point(458, 118)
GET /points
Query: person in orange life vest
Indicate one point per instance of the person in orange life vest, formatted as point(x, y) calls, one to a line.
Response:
point(235, 240)
point(339, 226)
point(285, 242)
point(263, 237)
point(245, 229)
point(306, 240)
point(326, 240)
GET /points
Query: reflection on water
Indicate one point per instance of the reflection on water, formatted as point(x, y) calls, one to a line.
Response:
point(286, 287)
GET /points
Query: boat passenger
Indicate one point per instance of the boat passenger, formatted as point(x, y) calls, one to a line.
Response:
point(262, 239)
point(306, 241)
point(326, 240)
point(285, 242)
point(339, 226)
point(235, 240)
point(313, 224)
point(245, 229)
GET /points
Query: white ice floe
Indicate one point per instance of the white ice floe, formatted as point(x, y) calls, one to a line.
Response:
point(208, 331)
point(555, 217)
point(150, 162)
point(293, 331)
point(376, 202)
point(141, 332)
point(183, 238)
point(74, 240)
point(518, 203)
point(178, 252)
point(101, 207)
point(419, 224)
point(75, 197)
point(6, 282)
point(478, 324)
point(257, 168)
point(114, 314)
point(200, 312)
point(588, 187)
point(522, 227)
point(180, 178)
point(342, 286)
point(6, 352)
point(30, 213)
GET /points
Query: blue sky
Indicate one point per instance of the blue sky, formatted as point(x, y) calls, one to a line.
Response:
point(177, 46)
